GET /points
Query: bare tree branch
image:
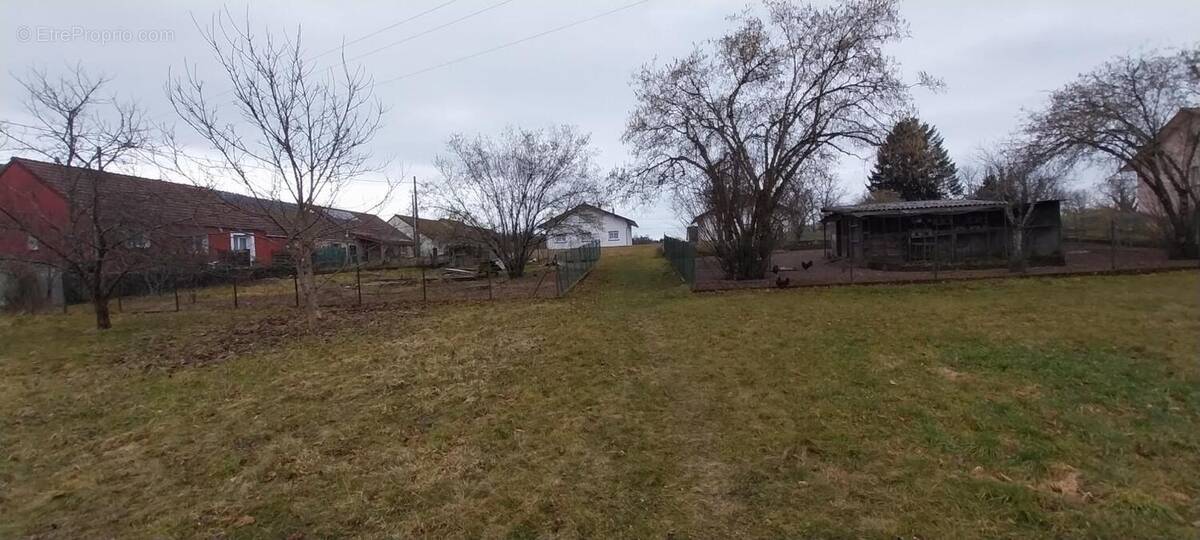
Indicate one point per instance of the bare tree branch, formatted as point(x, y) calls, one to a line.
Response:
point(738, 122)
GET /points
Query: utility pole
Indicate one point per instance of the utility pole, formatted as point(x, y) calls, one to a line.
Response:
point(417, 239)
point(416, 222)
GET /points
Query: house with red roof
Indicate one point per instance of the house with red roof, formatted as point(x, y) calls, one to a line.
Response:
point(170, 218)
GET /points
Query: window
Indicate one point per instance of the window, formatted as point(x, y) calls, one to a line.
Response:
point(137, 241)
point(32, 243)
point(200, 245)
point(240, 242)
point(560, 238)
point(614, 235)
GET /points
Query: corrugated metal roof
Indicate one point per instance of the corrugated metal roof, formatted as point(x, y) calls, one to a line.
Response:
point(913, 207)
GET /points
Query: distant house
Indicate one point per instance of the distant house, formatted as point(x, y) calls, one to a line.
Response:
point(1180, 136)
point(705, 230)
point(214, 226)
point(963, 233)
point(585, 223)
point(443, 241)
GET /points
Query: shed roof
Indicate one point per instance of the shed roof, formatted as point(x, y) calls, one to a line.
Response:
point(907, 208)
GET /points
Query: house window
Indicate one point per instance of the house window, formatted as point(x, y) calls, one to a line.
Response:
point(200, 245)
point(137, 241)
point(32, 243)
point(614, 235)
point(240, 242)
point(560, 239)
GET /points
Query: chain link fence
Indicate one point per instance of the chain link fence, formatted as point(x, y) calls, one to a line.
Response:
point(573, 264)
point(682, 257)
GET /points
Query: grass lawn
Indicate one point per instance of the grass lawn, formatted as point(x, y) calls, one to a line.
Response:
point(1021, 408)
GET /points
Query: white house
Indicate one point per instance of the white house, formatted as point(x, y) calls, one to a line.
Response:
point(586, 223)
point(444, 240)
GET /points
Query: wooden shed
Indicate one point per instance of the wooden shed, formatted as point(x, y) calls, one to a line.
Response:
point(948, 233)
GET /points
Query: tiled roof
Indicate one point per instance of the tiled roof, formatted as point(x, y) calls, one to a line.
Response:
point(585, 206)
point(443, 230)
point(192, 206)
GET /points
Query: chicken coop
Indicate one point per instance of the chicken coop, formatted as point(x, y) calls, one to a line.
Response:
point(947, 233)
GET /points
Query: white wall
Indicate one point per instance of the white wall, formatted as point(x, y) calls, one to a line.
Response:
point(427, 243)
point(574, 231)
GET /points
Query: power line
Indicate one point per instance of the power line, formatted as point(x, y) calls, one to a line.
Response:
point(431, 30)
point(511, 43)
point(384, 29)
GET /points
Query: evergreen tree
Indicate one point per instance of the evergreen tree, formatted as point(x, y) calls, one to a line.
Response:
point(912, 163)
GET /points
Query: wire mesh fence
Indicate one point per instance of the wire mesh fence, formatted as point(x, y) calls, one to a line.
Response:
point(682, 256)
point(549, 274)
point(361, 285)
point(573, 264)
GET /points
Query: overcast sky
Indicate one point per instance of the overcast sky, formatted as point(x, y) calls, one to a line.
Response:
point(995, 57)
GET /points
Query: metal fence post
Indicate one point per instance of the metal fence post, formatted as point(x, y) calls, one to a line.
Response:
point(358, 282)
point(937, 258)
point(296, 286)
point(424, 297)
point(235, 293)
point(491, 295)
point(120, 306)
point(175, 289)
point(1112, 240)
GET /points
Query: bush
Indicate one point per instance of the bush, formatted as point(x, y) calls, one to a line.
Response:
point(23, 288)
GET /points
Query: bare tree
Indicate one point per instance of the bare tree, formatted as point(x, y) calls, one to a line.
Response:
point(506, 188)
point(743, 115)
point(815, 188)
point(1020, 176)
point(1120, 113)
point(297, 134)
point(98, 235)
point(1119, 191)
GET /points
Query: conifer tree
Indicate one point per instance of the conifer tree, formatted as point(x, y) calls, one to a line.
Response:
point(913, 163)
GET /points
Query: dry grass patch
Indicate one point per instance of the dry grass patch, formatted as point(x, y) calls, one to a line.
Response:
point(630, 409)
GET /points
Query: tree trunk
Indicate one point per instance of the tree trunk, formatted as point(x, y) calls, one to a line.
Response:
point(1184, 242)
point(749, 258)
point(306, 279)
point(1017, 261)
point(515, 268)
point(100, 306)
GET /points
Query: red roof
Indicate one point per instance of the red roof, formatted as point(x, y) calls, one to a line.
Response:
point(185, 205)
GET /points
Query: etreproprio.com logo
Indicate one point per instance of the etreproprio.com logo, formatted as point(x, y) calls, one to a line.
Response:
point(85, 34)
